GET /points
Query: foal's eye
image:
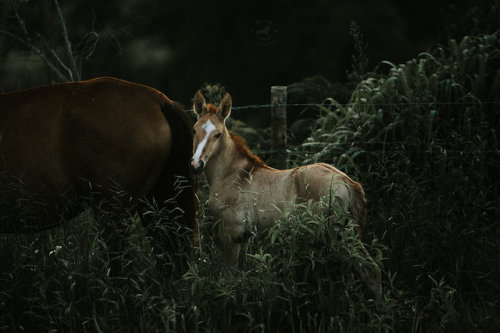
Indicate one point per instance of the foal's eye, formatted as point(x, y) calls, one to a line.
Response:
point(194, 131)
point(217, 135)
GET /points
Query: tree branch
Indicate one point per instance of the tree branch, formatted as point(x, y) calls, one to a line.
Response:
point(39, 53)
point(74, 68)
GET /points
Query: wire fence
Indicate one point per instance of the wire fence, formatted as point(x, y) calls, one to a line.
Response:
point(293, 151)
point(329, 103)
point(310, 149)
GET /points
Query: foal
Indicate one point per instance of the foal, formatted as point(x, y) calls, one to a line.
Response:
point(244, 191)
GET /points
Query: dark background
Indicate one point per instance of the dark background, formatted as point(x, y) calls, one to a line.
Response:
point(421, 138)
point(247, 46)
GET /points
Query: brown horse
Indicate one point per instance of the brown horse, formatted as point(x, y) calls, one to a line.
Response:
point(245, 192)
point(59, 142)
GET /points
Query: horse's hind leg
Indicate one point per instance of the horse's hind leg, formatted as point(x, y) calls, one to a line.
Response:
point(171, 240)
point(369, 271)
point(107, 210)
point(163, 244)
point(114, 233)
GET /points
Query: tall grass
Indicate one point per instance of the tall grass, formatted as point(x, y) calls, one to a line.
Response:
point(299, 278)
point(422, 139)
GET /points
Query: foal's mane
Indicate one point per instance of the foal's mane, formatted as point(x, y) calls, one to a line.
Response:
point(239, 143)
point(242, 148)
point(210, 108)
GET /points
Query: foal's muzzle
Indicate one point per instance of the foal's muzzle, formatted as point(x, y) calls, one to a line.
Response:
point(197, 167)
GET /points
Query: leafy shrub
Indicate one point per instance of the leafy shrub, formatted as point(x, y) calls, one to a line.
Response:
point(422, 139)
point(299, 277)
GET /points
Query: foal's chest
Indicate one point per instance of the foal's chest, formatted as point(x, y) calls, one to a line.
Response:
point(247, 205)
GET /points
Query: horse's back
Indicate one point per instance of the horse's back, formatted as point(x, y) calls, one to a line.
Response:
point(116, 131)
point(58, 139)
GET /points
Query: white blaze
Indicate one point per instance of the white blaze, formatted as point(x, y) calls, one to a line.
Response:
point(209, 127)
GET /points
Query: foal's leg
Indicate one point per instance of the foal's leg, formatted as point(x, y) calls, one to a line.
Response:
point(366, 268)
point(231, 253)
point(242, 258)
point(235, 254)
point(233, 240)
point(369, 271)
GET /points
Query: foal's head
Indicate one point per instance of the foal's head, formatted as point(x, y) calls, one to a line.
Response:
point(209, 129)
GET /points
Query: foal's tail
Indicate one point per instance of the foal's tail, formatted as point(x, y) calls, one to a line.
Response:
point(367, 268)
point(358, 205)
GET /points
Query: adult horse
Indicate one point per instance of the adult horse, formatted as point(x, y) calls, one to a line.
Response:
point(244, 191)
point(61, 142)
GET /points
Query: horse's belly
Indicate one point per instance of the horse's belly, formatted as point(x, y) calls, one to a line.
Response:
point(35, 191)
point(26, 208)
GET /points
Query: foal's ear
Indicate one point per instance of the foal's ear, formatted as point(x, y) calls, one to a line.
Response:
point(199, 103)
point(225, 106)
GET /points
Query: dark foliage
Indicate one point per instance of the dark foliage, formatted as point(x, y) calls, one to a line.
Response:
point(423, 141)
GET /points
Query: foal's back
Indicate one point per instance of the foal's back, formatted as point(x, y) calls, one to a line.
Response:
point(270, 189)
point(322, 179)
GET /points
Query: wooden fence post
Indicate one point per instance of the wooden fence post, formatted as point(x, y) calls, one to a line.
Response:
point(279, 157)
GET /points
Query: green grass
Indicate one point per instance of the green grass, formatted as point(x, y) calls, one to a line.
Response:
point(422, 139)
point(300, 277)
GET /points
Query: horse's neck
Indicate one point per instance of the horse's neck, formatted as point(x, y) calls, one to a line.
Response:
point(225, 163)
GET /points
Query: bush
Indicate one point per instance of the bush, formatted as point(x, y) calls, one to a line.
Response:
point(422, 139)
point(299, 277)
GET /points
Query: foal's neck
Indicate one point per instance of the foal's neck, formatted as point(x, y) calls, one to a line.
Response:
point(231, 159)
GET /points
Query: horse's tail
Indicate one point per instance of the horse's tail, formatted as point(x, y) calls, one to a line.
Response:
point(174, 190)
point(177, 180)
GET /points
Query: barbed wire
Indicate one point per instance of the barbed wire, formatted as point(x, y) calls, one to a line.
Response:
point(301, 150)
point(298, 151)
point(331, 103)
